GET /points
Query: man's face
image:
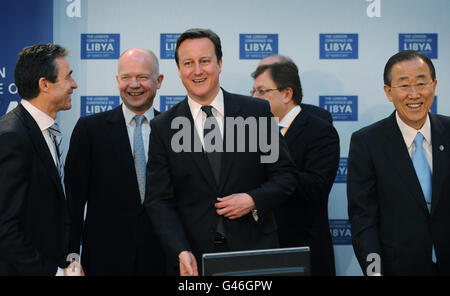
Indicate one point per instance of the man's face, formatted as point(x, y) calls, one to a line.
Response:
point(412, 103)
point(136, 81)
point(199, 69)
point(264, 84)
point(60, 92)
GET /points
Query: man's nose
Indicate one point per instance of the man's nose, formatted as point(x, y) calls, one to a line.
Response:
point(198, 69)
point(413, 92)
point(134, 83)
point(74, 84)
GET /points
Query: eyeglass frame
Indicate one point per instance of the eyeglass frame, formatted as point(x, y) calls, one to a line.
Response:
point(262, 92)
point(409, 87)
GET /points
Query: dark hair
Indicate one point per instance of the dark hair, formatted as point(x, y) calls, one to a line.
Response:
point(284, 75)
point(280, 58)
point(406, 55)
point(34, 62)
point(200, 33)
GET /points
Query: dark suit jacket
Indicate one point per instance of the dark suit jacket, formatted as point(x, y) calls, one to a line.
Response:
point(303, 218)
point(317, 112)
point(386, 206)
point(117, 235)
point(34, 220)
point(180, 200)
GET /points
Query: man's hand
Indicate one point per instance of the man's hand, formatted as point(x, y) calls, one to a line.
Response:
point(74, 269)
point(188, 264)
point(235, 205)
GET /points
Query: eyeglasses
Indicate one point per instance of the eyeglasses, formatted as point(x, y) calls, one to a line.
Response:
point(409, 87)
point(261, 92)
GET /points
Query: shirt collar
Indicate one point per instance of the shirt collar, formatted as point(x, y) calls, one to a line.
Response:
point(43, 120)
point(129, 115)
point(410, 133)
point(290, 116)
point(217, 103)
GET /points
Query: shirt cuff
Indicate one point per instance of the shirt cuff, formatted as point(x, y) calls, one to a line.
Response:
point(59, 272)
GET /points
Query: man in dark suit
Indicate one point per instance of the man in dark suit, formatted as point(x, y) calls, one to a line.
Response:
point(105, 168)
point(34, 218)
point(397, 182)
point(313, 143)
point(306, 108)
point(212, 201)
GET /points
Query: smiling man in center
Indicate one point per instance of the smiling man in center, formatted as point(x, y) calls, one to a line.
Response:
point(211, 201)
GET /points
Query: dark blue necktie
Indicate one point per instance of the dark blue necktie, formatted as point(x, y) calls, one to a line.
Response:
point(214, 157)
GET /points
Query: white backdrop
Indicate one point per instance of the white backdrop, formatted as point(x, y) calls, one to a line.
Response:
point(298, 25)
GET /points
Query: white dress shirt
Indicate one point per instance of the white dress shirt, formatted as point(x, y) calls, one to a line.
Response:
point(286, 121)
point(131, 126)
point(410, 133)
point(200, 117)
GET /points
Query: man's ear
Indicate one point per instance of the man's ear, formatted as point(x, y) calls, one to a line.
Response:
point(43, 84)
point(288, 95)
point(388, 90)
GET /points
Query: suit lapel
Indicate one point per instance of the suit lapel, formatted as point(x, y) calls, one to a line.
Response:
point(231, 110)
point(40, 146)
point(296, 128)
point(397, 154)
point(117, 132)
point(200, 159)
point(441, 161)
point(118, 135)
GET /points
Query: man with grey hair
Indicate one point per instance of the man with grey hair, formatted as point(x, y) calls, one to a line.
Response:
point(307, 108)
point(105, 168)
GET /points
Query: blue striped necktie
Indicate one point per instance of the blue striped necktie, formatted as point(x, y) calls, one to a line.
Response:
point(139, 155)
point(55, 135)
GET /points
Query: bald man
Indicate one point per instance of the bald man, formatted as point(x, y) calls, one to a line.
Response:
point(307, 108)
point(105, 168)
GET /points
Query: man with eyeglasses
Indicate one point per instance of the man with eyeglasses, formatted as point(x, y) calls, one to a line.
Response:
point(306, 108)
point(313, 143)
point(397, 181)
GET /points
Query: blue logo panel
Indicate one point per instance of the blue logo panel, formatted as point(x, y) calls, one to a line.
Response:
point(7, 104)
point(342, 108)
point(257, 46)
point(96, 104)
point(424, 43)
point(338, 46)
point(100, 46)
point(168, 43)
point(167, 102)
point(341, 176)
point(22, 23)
point(340, 232)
